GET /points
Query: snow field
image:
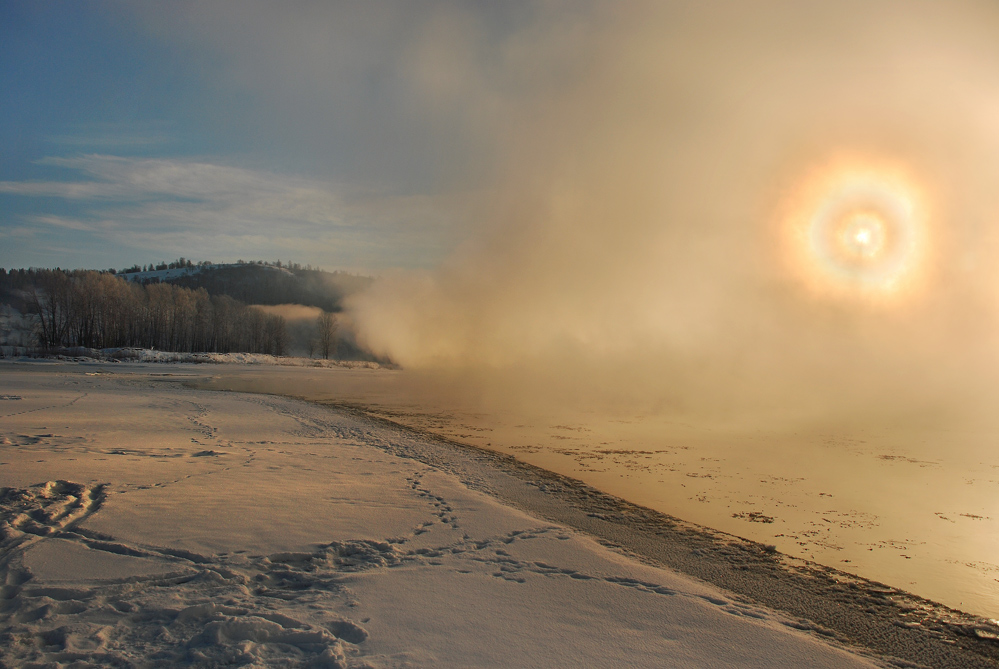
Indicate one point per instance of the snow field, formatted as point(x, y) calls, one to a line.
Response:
point(151, 524)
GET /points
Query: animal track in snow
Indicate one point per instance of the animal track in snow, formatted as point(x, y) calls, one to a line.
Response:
point(51, 406)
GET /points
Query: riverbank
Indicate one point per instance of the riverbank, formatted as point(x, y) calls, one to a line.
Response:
point(279, 531)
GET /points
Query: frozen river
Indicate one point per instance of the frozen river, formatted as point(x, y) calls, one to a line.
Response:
point(911, 501)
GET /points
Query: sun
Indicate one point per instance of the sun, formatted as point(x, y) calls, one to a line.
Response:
point(857, 227)
point(862, 237)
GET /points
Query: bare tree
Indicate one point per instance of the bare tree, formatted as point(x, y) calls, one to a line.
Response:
point(99, 310)
point(326, 326)
point(276, 335)
point(53, 305)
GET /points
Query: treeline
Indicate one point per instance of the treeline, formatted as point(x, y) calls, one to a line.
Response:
point(153, 267)
point(183, 262)
point(260, 283)
point(100, 310)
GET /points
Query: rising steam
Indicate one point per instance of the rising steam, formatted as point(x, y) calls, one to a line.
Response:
point(658, 233)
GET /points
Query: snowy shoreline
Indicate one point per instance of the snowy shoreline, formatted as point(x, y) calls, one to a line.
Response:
point(830, 602)
point(269, 446)
point(146, 355)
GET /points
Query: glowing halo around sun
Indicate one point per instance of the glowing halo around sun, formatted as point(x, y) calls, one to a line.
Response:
point(858, 228)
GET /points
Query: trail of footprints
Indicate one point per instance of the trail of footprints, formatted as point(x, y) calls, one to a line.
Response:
point(205, 430)
point(206, 610)
point(229, 608)
point(234, 608)
point(27, 515)
point(441, 510)
point(36, 409)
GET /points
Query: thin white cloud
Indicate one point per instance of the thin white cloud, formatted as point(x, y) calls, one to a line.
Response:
point(109, 141)
point(20, 232)
point(67, 190)
point(64, 222)
point(142, 178)
point(114, 136)
point(192, 207)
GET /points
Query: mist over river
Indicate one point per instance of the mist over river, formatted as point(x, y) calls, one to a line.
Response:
point(910, 500)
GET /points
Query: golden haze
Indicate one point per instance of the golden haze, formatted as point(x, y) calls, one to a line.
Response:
point(860, 228)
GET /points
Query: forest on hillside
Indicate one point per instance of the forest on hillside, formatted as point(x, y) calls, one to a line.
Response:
point(85, 308)
point(259, 282)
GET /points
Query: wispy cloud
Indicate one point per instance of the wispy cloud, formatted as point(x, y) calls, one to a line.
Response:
point(193, 207)
point(109, 141)
point(113, 136)
point(61, 222)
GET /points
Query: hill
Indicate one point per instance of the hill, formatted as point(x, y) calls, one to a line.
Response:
point(258, 282)
point(254, 307)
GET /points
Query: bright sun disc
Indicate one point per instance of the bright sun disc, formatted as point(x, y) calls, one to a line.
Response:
point(857, 228)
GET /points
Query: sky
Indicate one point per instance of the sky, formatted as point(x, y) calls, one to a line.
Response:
point(376, 136)
point(709, 193)
point(726, 208)
point(309, 132)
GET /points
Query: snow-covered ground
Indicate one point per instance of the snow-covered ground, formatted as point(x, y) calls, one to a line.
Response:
point(150, 524)
point(910, 502)
point(150, 355)
point(177, 272)
point(147, 355)
point(165, 274)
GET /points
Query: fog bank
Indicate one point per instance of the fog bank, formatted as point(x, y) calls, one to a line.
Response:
point(634, 247)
